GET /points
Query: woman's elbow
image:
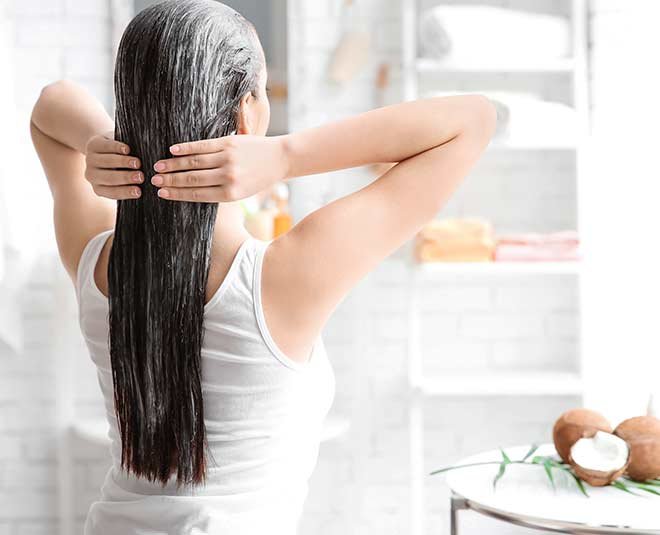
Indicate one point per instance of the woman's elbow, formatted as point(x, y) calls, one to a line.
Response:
point(56, 89)
point(49, 94)
point(482, 119)
point(485, 120)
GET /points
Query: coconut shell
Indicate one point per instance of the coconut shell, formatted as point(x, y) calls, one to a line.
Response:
point(597, 478)
point(574, 425)
point(637, 427)
point(642, 433)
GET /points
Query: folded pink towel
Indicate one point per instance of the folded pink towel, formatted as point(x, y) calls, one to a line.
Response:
point(532, 247)
point(530, 238)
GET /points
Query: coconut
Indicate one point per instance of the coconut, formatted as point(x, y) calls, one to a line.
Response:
point(643, 435)
point(600, 459)
point(574, 425)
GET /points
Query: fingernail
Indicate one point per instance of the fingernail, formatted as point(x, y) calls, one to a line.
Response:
point(126, 150)
point(159, 166)
point(157, 180)
point(174, 149)
point(163, 193)
point(137, 177)
point(134, 164)
point(136, 192)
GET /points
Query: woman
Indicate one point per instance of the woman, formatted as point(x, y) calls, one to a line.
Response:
point(207, 341)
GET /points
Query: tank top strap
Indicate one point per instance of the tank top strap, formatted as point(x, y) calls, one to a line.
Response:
point(257, 272)
point(88, 259)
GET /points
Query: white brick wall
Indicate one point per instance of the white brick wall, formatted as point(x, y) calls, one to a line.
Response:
point(52, 39)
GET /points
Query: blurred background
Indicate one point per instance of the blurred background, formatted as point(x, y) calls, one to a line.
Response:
point(536, 290)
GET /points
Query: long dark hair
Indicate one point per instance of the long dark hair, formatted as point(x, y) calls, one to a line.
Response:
point(182, 68)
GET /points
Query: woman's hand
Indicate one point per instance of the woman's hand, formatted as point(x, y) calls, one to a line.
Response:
point(222, 169)
point(110, 169)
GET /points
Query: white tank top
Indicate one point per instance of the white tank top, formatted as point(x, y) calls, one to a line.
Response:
point(263, 414)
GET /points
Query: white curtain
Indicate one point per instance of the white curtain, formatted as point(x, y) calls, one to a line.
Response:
point(619, 201)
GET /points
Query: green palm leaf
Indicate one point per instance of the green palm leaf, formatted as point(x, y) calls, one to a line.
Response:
point(644, 486)
point(500, 473)
point(578, 482)
point(548, 470)
point(532, 451)
point(622, 486)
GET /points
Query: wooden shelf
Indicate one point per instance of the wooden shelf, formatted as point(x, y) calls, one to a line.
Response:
point(502, 384)
point(496, 268)
point(427, 65)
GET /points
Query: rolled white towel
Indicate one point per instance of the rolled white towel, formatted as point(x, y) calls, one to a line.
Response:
point(502, 100)
point(526, 119)
point(470, 35)
point(534, 121)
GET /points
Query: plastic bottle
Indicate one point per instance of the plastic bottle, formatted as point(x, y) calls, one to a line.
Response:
point(282, 221)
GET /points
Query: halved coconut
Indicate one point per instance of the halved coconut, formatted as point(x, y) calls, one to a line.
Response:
point(643, 435)
point(574, 425)
point(600, 459)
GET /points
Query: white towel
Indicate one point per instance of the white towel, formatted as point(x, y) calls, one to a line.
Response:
point(536, 122)
point(474, 35)
point(526, 119)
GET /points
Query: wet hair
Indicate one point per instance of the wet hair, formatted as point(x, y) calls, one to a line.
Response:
point(181, 70)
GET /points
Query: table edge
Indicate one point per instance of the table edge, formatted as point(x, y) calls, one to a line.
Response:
point(558, 526)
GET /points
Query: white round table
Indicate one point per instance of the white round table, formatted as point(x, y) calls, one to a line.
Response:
point(524, 496)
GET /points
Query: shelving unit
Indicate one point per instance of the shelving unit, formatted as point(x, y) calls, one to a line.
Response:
point(455, 384)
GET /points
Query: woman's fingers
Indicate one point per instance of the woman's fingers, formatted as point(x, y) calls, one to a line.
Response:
point(209, 194)
point(111, 177)
point(190, 179)
point(117, 192)
point(104, 145)
point(188, 163)
point(112, 161)
point(204, 146)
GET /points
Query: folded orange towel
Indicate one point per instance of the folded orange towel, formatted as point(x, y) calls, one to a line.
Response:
point(433, 252)
point(458, 229)
point(455, 240)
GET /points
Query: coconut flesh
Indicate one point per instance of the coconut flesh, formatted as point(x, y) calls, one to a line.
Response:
point(603, 452)
point(600, 459)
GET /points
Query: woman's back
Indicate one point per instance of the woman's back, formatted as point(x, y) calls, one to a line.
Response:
point(263, 416)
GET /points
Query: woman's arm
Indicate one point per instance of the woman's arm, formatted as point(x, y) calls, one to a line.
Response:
point(68, 114)
point(64, 119)
point(234, 167)
point(309, 270)
point(389, 134)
